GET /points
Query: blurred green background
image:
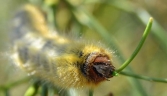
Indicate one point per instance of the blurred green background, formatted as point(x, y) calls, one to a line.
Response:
point(122, 21)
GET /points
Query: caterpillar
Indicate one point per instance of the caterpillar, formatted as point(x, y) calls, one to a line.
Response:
point(65, 62)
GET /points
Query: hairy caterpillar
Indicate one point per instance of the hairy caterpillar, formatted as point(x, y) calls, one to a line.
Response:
point(62, 61)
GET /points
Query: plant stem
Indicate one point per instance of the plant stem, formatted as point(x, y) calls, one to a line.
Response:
point(145, 34)
point(33, 89)
point(44, 91)
point(144, 77)
point(6, 93)
point(50, 16)
point(51, 91)
point(90, 92)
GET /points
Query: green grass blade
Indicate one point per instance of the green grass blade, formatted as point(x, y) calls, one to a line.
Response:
point(145, 34)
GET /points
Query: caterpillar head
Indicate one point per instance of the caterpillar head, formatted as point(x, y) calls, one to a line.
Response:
point(98, 66)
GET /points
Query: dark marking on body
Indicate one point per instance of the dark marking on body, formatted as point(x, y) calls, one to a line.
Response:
point(43, 61)
point(23, 54)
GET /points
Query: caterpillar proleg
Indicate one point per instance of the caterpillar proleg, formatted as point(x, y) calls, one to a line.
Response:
point(67, 63)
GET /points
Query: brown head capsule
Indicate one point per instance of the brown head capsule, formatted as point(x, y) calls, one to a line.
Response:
point(98, 67)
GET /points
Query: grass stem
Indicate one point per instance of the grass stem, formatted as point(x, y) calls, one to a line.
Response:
point(144, 77)
point(145, 34)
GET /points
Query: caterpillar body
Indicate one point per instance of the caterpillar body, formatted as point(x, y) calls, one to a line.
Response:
point(62, 61)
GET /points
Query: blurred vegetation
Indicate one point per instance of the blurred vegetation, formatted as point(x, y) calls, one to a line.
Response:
point(117, 23)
